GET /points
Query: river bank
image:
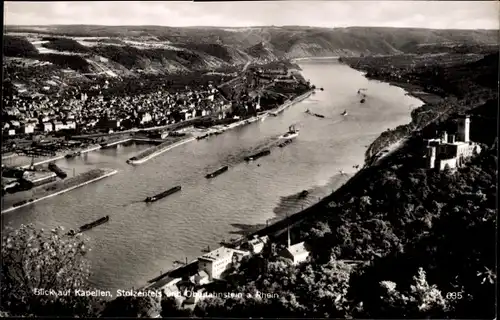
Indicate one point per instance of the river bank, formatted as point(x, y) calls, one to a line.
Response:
point(60, 187)
point(21, 161)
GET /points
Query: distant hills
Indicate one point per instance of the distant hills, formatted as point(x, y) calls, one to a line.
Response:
point(128, 50)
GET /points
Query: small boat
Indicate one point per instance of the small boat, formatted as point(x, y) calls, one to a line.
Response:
point(292, 133)
point(217, 172)
point(303, 194)
point(321, 89)
point(274, 114)
point(362, 100)
point(258, 155)
point(344, 113)
point(163, 194)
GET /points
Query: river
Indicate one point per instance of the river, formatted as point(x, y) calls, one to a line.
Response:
point(143, 239)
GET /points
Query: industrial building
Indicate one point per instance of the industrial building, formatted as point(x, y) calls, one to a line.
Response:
point(216, 262)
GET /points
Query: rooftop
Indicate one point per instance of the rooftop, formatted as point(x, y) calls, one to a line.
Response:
point(217, 254)
point(164, 282)
point(297, 249)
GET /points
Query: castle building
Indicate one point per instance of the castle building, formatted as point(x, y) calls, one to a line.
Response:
point(450, 152)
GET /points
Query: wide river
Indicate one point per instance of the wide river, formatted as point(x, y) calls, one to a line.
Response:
point(142, 239)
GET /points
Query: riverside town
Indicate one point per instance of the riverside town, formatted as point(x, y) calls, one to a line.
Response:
point(268, 159)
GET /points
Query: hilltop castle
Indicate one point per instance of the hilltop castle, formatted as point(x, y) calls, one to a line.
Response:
point(451, 152)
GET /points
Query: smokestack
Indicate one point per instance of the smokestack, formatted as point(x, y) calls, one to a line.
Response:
point(289, 241)
point(288, 232)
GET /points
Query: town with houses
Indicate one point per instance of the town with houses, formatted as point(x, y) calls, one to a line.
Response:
point(42, 114)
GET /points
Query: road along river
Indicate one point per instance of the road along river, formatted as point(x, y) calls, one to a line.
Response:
point(140, 240)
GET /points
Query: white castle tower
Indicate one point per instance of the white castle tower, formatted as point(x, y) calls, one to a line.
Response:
point(464, 129)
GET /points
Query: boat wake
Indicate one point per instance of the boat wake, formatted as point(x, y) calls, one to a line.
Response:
point(132, 202)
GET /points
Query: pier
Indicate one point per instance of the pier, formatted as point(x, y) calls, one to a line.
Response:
point(103, 174)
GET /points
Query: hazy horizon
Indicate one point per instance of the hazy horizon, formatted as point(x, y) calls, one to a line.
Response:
point(459, 15)
point(228, 27)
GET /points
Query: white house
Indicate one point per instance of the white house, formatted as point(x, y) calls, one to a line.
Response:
point(70, 125)
point(256, 245)
point(298, 253)
point(28, 128)
point(47, 127)
point(58, 125)
point(200, 278)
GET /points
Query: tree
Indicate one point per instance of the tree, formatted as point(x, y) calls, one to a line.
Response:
point(40, 272)
point(143, 306)
point(170, 307)
point(421, 301)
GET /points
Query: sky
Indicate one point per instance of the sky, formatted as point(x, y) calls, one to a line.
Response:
point(329, 14)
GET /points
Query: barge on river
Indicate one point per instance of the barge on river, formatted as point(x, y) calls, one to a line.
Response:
point(258, 155)
point(163, 194)
point(60, 173)
point(89, 226)
point(217, 172)
point(285, 143)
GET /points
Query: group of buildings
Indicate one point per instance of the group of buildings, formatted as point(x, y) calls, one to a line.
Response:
point(216, 264)
point(451, 151)
point(44, 114)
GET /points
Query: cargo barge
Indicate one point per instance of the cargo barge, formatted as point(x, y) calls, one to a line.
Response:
point(303, 194)
point(285, 143)
point(217, 172)
point(163, 194)
point(314, 114)
point(203, 136)
point(73, 155)
point(20, 203)
point(89, 226)
point(258, 155)
point(60, 173)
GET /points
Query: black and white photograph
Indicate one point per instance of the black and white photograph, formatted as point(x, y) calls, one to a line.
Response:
point(250, 159)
